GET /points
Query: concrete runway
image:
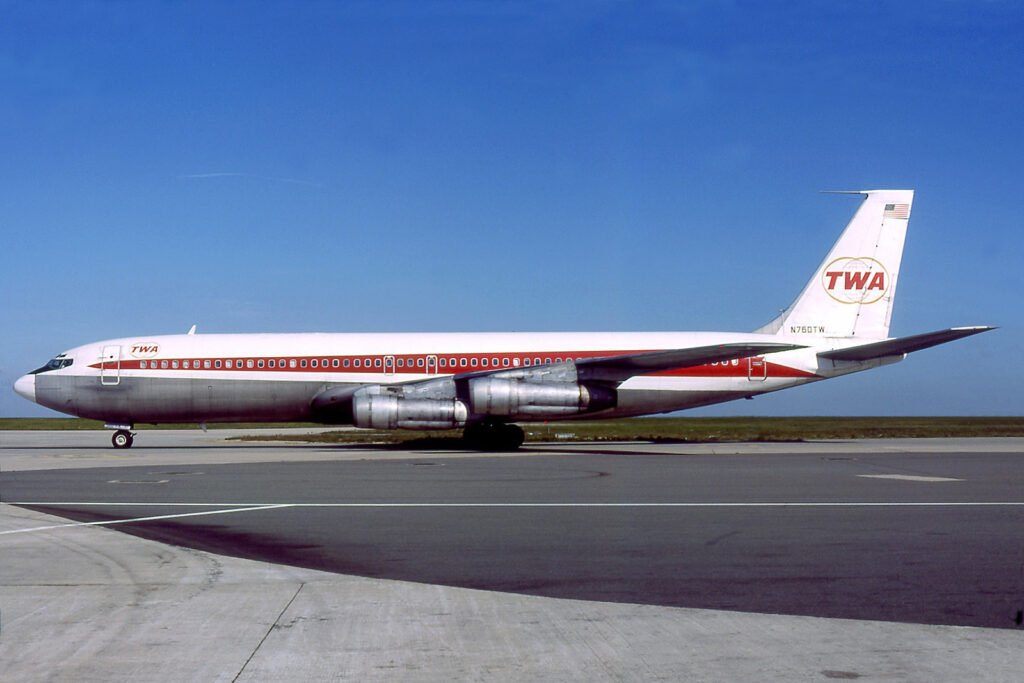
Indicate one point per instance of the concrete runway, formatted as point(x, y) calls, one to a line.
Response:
point(902, 531)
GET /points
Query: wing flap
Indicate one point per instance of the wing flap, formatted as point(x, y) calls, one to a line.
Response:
point(902, 345)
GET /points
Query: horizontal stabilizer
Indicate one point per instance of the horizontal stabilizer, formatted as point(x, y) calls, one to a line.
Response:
point(619, 368)
point(902, 345)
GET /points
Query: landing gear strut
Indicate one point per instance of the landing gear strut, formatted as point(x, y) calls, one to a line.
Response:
point(493, 436)
point(122, 438)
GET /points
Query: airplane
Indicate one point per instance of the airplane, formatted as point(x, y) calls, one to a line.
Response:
point(484, 383)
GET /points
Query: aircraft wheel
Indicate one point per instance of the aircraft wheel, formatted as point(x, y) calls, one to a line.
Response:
point(493, 436)
point(122, 438)
point(513, 437)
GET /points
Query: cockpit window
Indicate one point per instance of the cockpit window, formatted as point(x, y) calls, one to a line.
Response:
point(55, 364)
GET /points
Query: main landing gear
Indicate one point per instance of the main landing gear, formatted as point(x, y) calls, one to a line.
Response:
point(122, 438)
point(493, 436)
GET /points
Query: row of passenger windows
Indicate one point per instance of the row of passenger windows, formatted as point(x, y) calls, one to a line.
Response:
point(388, 362)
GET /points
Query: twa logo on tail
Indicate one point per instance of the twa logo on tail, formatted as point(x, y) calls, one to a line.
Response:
point(859, 280)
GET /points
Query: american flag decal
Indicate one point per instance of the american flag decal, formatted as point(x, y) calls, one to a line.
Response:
point(897, 211)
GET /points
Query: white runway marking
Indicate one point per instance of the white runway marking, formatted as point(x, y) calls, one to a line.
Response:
point(136, 519)
point(251, 507)
point(242, 507)
point(907, 477)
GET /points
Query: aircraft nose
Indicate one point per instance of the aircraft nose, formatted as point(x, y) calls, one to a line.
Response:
point(26, 387)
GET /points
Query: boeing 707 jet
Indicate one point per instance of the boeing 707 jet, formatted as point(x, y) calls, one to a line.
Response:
point(484, 383)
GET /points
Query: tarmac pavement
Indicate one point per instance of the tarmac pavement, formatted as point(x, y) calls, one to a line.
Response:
point(91, 603)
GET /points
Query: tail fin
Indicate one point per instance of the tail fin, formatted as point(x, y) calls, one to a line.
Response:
point(851, 293)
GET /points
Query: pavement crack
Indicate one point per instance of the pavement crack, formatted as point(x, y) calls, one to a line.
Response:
point(270, 630)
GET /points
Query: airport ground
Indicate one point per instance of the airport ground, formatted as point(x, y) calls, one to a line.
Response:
point(191, 557)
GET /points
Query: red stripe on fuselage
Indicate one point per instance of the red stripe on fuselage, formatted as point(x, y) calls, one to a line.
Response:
point(728, 370)
point(420, 364)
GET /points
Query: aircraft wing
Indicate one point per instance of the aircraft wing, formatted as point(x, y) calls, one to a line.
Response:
point(902, 345)
point(621, 368)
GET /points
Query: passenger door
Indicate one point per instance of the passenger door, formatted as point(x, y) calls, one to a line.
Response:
point(110, 366)
point(757, 369)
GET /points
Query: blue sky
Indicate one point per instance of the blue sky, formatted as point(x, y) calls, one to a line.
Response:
point(410, 166)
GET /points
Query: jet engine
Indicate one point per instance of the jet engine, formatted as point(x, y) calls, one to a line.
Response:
point(387, 411)
point(515, 398)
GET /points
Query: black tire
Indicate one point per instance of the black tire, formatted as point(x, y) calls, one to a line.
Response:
point(493, 436)
point(513, 437)
point(122, 439)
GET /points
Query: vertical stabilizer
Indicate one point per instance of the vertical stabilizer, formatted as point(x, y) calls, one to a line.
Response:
point(851, 293)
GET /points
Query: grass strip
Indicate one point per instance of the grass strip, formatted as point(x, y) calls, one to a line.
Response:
point(701, 430)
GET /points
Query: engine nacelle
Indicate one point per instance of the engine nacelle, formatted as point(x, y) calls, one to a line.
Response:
point(514, 398)
point(385, 411)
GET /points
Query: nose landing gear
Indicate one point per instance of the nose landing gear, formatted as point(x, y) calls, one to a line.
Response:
point(122, 438)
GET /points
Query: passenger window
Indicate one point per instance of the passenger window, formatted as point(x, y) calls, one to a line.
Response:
point(335, 363)
point(271, 364)
point(494, 362)
point(249, 364)
point(483, 362)
point(347, 362)
point(443, 362)
point(358, 362)
point(401, 363)
point(369, 363)
point(536, 361)
point(260, 363)
point(163, 365)
point(142, 365)
point(313, 362)
point(462, 362)
point(504, 362)
point(184, 364)
point(419, 362)
point(547, 360)
point(473, 362)
point(376, 363)
point(303, 363)
point(292, 363)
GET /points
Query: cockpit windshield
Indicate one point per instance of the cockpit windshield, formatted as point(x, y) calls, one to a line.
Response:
point(56, 364)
